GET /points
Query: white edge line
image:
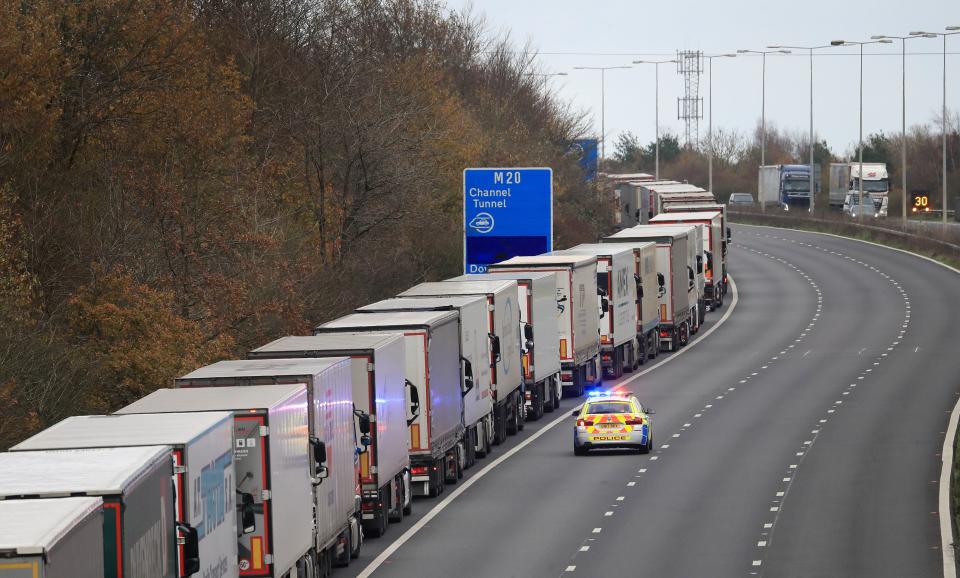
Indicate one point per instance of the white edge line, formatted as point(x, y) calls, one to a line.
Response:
point(946, 454)
point(396, 544)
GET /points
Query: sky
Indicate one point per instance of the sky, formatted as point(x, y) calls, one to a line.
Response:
point(615, 32)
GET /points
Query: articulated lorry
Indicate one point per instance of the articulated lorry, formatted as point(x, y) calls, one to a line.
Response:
point(503, 330)
point(475, 347)
point(274, 457)
point(714, 249)
point(378, 376)
point(434, 365)
point(787, 185)
point(676, 280)
point(537, 298)
point(578, 323)
point(633, 201)
point(619, 351)
point(139, 528)
point(845, 178)
point(201, 450)
point(51, 538)
point(334, 425)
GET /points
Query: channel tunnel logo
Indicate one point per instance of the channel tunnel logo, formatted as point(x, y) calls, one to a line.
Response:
point(482, 223)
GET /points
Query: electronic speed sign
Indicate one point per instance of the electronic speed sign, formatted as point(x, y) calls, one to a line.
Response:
point(920, 202)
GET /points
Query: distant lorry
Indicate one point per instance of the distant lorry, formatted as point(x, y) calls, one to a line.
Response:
point(201, 448)
point(786, 185)
point(378, 372)
point(537, 297)
point(503, 330)
point(51, 538)
point(676, 280)
point(845, 178)
point(578, 323)
point(714, 245)
point(334, 424)
point(668, 200)
point(619, 351)
point(138, 505)
point(273, 457)
point(632, 199)
point(434, 367)
point(475, 347)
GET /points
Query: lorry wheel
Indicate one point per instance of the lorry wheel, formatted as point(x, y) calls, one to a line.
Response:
point(539, 402)
point(500, 424)
point(521, 411)
point(356, 539)
point(342, 559)
point(396, 512)
point(549, 400)
point(407, 493)
point(511, 415)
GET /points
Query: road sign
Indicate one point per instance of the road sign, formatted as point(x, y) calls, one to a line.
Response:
point(586, 151)
point(921, 202)
point(506, 212)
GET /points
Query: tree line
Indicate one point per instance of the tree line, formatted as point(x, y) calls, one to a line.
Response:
point(181, 181)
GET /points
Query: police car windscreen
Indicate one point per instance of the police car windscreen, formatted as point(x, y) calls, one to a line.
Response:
point(609, 407)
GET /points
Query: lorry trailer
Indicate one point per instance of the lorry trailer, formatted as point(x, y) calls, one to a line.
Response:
point(273, 456)
point(201, 447)
point(632, 200)
point(134, 484)
point(676, 281)
point(56, 538)
point(714, 248)
point(504, 337)
point(475, 348)
point(537, 298)
point(378, 377)
point(434, 367)
point(578, 323)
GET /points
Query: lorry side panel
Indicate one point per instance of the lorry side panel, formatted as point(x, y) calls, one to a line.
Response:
point(546, 353)
point(250, 462)
point(390, 371)
point(650, 303)
point(415, 345)
point(148, 524)
point(210, 494)
point(290, 491)
point(623, 298)
point(507, 328)
point(475, 346)
point(445, 391)
point(586, 330)
point(333, 396)
point(79, 553)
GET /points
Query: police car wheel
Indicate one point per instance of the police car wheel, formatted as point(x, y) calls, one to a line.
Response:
point(579, 451)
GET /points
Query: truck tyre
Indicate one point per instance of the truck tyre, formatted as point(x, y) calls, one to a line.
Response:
point(521, 411)
point(356, 540)
point(549, 399)
point(511, 415)
point(396, 511)
point(342, 559)
point(381, 516)
point(536, 401)
point(407, 495)
point(500, 424)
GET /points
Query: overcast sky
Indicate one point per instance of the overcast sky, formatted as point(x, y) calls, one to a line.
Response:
point(615, 32)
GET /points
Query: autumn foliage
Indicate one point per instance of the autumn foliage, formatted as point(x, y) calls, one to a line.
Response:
point(182, 181)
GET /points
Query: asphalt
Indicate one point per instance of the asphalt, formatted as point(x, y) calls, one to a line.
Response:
point(800, 438)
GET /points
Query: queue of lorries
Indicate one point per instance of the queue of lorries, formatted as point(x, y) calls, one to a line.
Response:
point(278, 465)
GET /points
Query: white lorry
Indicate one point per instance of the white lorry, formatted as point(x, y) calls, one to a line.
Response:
point(619, 351)
point(845, 178)
point(633, 200)
point(434, 367)
point(333, 424)
point(676, 280)
point(537, 296)
point(475, 349)
point(138, 506)
point(201, 447)
point(379, 378)
point(578, 323)
point(61, 538)
point(714, 249)
point(503, 330)
point(272, 455)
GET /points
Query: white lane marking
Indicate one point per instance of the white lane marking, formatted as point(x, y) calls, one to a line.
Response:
point(761, 543)
point(768, 525)
point(621, 498)
point(664, 446)
point(584, 548)
point(608, 514)
point(430, 515)
point(642, 470)
point(757, 562)
point(654, 458)
point(631, 484)
point(571, 568)
point(597, 530)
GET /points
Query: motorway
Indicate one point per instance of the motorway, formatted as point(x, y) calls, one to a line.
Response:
point(800, 438)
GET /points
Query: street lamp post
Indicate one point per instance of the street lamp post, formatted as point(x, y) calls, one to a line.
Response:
point(860, 143)
point(903, 113)
point(710, 112)
point(813, 192)
point(943, 121)
point(763, 103)
point(656, 67)
point(603, 105)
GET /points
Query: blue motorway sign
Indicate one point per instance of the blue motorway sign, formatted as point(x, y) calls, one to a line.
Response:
point(586, 150)
point(506, 212)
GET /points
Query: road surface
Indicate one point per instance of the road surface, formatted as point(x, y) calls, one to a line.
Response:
point(800, 438)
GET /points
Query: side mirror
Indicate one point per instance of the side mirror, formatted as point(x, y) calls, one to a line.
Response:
point(528, 331)
point(467, 375)
point(699, 263)
point(248, 516)
point(729, 235)
point(320, 449)
point(575, 413)
point(660, 280)
point(495, 346)
point(650, 411)
point(414, 401)
point(604, 304)
point(363, 424)
point(190, 540)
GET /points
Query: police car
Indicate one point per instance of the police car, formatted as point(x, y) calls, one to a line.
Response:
point(612, 419)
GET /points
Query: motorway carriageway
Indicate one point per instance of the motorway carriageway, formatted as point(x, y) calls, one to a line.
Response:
point(800, 438)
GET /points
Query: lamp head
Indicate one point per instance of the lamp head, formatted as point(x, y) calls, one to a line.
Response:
point(837, 42)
